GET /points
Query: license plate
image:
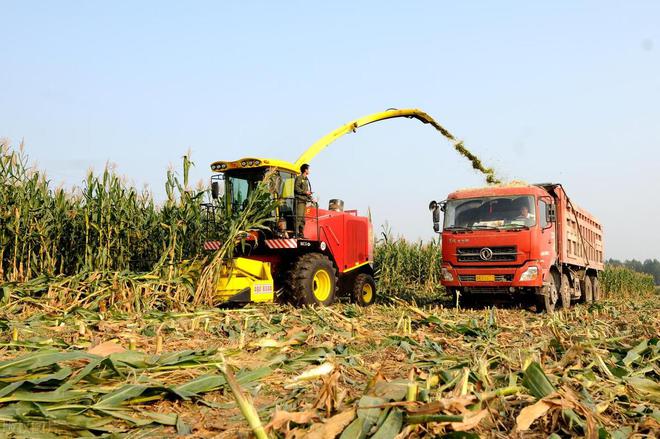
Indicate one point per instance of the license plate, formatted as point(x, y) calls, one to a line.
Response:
point(485, 278)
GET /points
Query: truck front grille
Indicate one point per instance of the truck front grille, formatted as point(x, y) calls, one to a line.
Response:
point(473, 277)
point(499, 254)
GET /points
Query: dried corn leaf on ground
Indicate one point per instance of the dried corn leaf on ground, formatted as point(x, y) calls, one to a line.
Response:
point(343, 371)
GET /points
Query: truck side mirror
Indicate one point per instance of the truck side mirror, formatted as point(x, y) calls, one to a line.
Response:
point(550, 213)
point(215, 190)
point(434, 207)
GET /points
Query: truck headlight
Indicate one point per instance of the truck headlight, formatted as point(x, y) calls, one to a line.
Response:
point(446, 275)
point(530, 274)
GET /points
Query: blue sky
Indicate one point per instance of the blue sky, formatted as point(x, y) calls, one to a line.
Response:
point(564, 91)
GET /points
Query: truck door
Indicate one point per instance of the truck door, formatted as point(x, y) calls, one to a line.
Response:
point(548, 242)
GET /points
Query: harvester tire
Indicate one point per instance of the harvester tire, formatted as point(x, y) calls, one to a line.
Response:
point(597, 292)
point(565, 292)
point(313, 280)
point(588, 290)
point(364, 289)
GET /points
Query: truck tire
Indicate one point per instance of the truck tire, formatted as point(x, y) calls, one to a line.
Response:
point(313, 280)
point(597, 293)
point(565, 292)
point(588, 290)
point(549, 298)
point(364, 289)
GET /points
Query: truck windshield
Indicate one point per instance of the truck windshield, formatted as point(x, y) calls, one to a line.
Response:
point(502, 212)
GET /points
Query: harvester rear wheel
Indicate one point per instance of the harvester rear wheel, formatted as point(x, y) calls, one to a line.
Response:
point(364, 289)
point(313, 280)
point(588, 290)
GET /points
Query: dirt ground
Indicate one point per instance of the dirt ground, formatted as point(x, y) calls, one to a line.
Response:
point(410, 371)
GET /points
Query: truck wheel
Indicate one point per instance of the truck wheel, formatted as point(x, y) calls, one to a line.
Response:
point(588, 290)
point(547, 301)
point(597, 293)
point(364, 290)
point(313, 280)
point(565, 292)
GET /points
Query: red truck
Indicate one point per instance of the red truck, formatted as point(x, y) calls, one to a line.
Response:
point(519, 241)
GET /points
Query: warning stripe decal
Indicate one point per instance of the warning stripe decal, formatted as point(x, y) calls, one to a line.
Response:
point(212, 245)
point(281, 243)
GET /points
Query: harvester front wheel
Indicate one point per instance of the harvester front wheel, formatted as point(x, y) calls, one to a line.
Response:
point(313, 280)
point(364, 289)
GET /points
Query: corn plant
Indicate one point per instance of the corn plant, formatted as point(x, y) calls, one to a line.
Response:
point(106, 225)
point(619, 280)
point(407, 269)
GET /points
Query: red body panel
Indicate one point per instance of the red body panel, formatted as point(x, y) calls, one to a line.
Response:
point(348, 237)
point(344, 236)
point(557, 244)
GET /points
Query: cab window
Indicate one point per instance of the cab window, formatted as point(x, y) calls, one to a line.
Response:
point(543, 208)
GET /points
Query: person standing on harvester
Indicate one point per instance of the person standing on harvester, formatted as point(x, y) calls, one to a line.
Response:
point(303, 193)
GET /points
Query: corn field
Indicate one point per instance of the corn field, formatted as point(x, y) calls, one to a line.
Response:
point(619, 281)
point(105, 225)
point(106, 245)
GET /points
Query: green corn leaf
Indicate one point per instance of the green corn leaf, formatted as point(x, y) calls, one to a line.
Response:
point(124, 415)
point(56, 396)
point(82, 373)
point(38, 360)
point(355, 430)
point(391, 427)
point(202, 384)
point(119, 396)
point(535, 380)
point(635, 353)
point(10, 388)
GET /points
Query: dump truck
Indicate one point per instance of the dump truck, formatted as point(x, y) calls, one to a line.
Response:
point(335, 256)
point(519, 241)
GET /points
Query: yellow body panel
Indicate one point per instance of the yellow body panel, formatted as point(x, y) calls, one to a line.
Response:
point(246, 273)
point(356, 266)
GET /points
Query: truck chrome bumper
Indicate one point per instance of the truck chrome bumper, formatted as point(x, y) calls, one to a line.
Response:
point(492, 277)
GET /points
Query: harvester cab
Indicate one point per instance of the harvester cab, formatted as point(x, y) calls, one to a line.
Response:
point(234, 182)
point(334, 256)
